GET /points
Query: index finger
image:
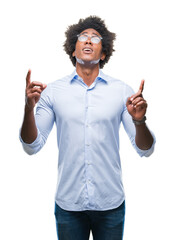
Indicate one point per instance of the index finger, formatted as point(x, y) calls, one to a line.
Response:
point(28, 78)
point(141, 86)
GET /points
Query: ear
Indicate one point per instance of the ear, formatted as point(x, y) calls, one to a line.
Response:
point(73, 54)
point(103, 55)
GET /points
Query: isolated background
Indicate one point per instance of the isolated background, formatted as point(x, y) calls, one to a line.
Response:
point(32, 35)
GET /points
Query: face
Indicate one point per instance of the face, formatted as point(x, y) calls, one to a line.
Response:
point(87, 50)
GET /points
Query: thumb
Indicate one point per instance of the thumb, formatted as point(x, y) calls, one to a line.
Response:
point(128, 102)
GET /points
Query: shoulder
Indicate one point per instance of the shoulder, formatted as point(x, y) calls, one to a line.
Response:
point(118, 86)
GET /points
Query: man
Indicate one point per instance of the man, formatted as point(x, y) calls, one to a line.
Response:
point(87, 107)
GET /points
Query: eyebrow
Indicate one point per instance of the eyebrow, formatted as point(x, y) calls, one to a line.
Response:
point(92, 34)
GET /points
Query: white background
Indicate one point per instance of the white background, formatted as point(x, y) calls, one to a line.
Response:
point(32, 35)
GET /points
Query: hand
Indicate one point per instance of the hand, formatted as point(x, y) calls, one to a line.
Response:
point(136, 104)
point(33, 91)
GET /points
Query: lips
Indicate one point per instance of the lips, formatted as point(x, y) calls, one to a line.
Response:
point(87, 50)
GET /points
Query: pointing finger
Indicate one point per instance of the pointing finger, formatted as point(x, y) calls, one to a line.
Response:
point(28, 78)
point(139, 93)
point(141, 86)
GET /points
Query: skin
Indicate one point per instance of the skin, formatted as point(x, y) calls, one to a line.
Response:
point(88, 72)
point(136, 104)
point(32, 92)
point(137, 107)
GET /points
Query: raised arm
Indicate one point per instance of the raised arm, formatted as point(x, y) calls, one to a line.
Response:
point(137, 107)
point(33, 92)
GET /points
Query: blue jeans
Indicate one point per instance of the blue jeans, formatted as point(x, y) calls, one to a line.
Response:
point(105, 225)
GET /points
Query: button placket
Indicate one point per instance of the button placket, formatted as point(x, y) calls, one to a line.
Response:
point(87, 139)
point(87, 144)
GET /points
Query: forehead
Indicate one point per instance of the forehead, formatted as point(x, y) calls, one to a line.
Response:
point(91, 31)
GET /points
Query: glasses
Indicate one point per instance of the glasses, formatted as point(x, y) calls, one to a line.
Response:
point(84, 37)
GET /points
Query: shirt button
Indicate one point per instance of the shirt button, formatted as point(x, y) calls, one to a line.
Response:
point(87, 125)
point(88, 144)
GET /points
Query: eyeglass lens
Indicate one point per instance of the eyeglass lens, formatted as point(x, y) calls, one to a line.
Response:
point(84, 37)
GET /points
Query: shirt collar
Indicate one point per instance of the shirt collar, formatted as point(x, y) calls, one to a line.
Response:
point(101, 76)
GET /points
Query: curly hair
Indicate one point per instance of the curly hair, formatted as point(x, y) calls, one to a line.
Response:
point(97, 24)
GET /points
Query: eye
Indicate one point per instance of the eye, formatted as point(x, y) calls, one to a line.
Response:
point(82, 37)
point(95, 39)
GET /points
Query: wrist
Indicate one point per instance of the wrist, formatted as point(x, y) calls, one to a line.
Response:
point(27, 109)
point(139, 122)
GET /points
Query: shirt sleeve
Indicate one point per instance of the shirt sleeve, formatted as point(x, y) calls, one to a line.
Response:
point(130, 127)
point(44, 119)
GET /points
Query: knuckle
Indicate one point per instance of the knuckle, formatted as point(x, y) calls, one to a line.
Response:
point(36, 94)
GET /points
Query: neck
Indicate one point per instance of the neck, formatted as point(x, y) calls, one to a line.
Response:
point(87, 73)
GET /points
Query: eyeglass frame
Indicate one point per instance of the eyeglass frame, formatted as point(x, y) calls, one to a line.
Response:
point(100, 38)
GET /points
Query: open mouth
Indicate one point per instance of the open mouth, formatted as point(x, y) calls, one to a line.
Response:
point(87, 50)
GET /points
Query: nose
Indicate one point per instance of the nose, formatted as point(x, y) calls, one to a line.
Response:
point(88, 41)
